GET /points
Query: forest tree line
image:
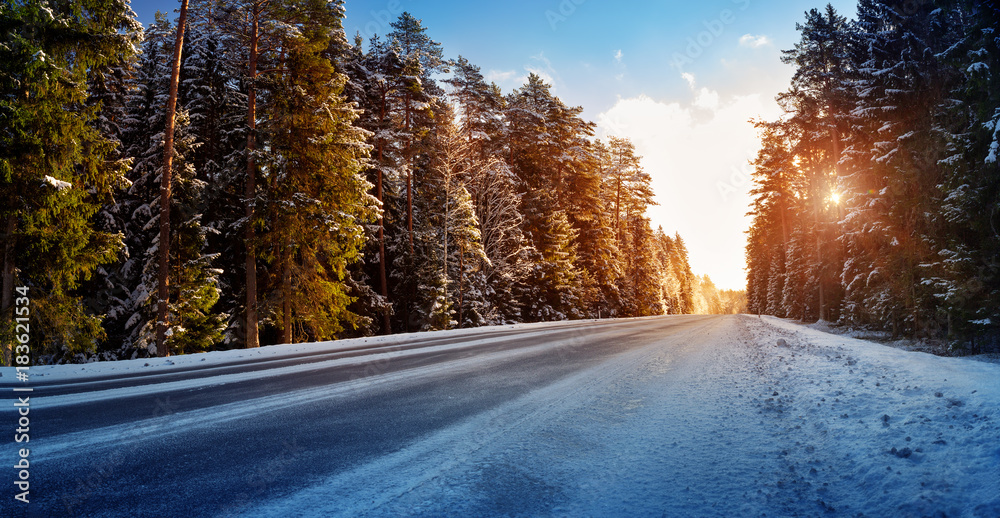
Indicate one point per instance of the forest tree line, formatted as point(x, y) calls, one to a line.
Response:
point(320, 188)
point(877, 194)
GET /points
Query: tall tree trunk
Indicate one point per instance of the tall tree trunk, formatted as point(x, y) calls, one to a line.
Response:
point(618, 212)
point(447, 194)
point(819, 271)
point(163, 274)
point(252, 339)
point(461, 288)
point(8, 263)
point(286, 294)
point(8, 278)
point(409, 206)
point(409, 176)
point(818, 190)
point(382, 279)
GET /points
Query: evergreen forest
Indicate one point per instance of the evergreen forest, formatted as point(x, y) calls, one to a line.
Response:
point(275, 181)
point(877, 194)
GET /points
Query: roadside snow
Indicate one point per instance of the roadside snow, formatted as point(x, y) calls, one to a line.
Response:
point(917, 432)
point(77, 373)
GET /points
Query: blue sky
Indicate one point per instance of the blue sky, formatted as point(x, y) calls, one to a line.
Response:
point(679, 78)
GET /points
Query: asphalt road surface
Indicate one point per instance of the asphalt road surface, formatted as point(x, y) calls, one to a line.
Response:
point(221, 450)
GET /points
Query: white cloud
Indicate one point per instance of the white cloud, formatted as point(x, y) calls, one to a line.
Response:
point(512, 79)
point(707, 99)
point(690, 149)
point(500, 76)
point(749, 40)
point(619, 56)
point(689, 78)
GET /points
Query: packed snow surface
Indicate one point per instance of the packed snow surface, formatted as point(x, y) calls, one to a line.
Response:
point(750, 417)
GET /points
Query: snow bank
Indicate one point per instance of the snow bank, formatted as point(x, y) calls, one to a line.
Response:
point(76, 373)
point(906, 433)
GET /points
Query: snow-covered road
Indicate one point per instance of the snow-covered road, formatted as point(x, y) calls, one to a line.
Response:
point(671, 416)
point(714, 421)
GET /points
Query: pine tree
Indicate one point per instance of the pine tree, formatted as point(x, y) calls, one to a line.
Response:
point(262, 27)
point(547, 150)
point(451, 242)
point(643, 288)
point(163, 281)
point(193, 322)
point(316, 196)
point(56, 166)
point(421, 57)
point(682, 270)
point(493, 188)
point(213, 93)
point(131, 282)
point(888, 111)
point(374, 78)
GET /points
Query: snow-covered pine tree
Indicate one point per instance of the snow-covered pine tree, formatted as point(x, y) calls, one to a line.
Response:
point(492, 186)
point(111, 88)
point(552, 288)
point(963, 277)
point(213, 92)
point(256, 26)
point(132, 281)
point(55, 161)
point(777, 182)
point(373, 80)
point(194, 324)
point(601, 258)
point(682, 270)
point(450, 242)
point(816, 107)
point(643, 286)
point(421, 57)
point(534, 116)
point(670, 285)
point(627, 193)
point(316, 196)
point(893, 159)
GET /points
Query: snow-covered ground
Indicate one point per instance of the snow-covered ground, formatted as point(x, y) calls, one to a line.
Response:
point(933, 346)
point(751, 417)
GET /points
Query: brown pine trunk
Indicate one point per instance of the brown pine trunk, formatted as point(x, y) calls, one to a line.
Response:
point(252, 339)
point(286, 297)
point(383, 281)
point(8, 263)
point(819, 274)
point(409, 178)
point(8, 279)
point(409, 206)
point(163, 275)
point(461, 289)
point(818, 188)
point(618, 212)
